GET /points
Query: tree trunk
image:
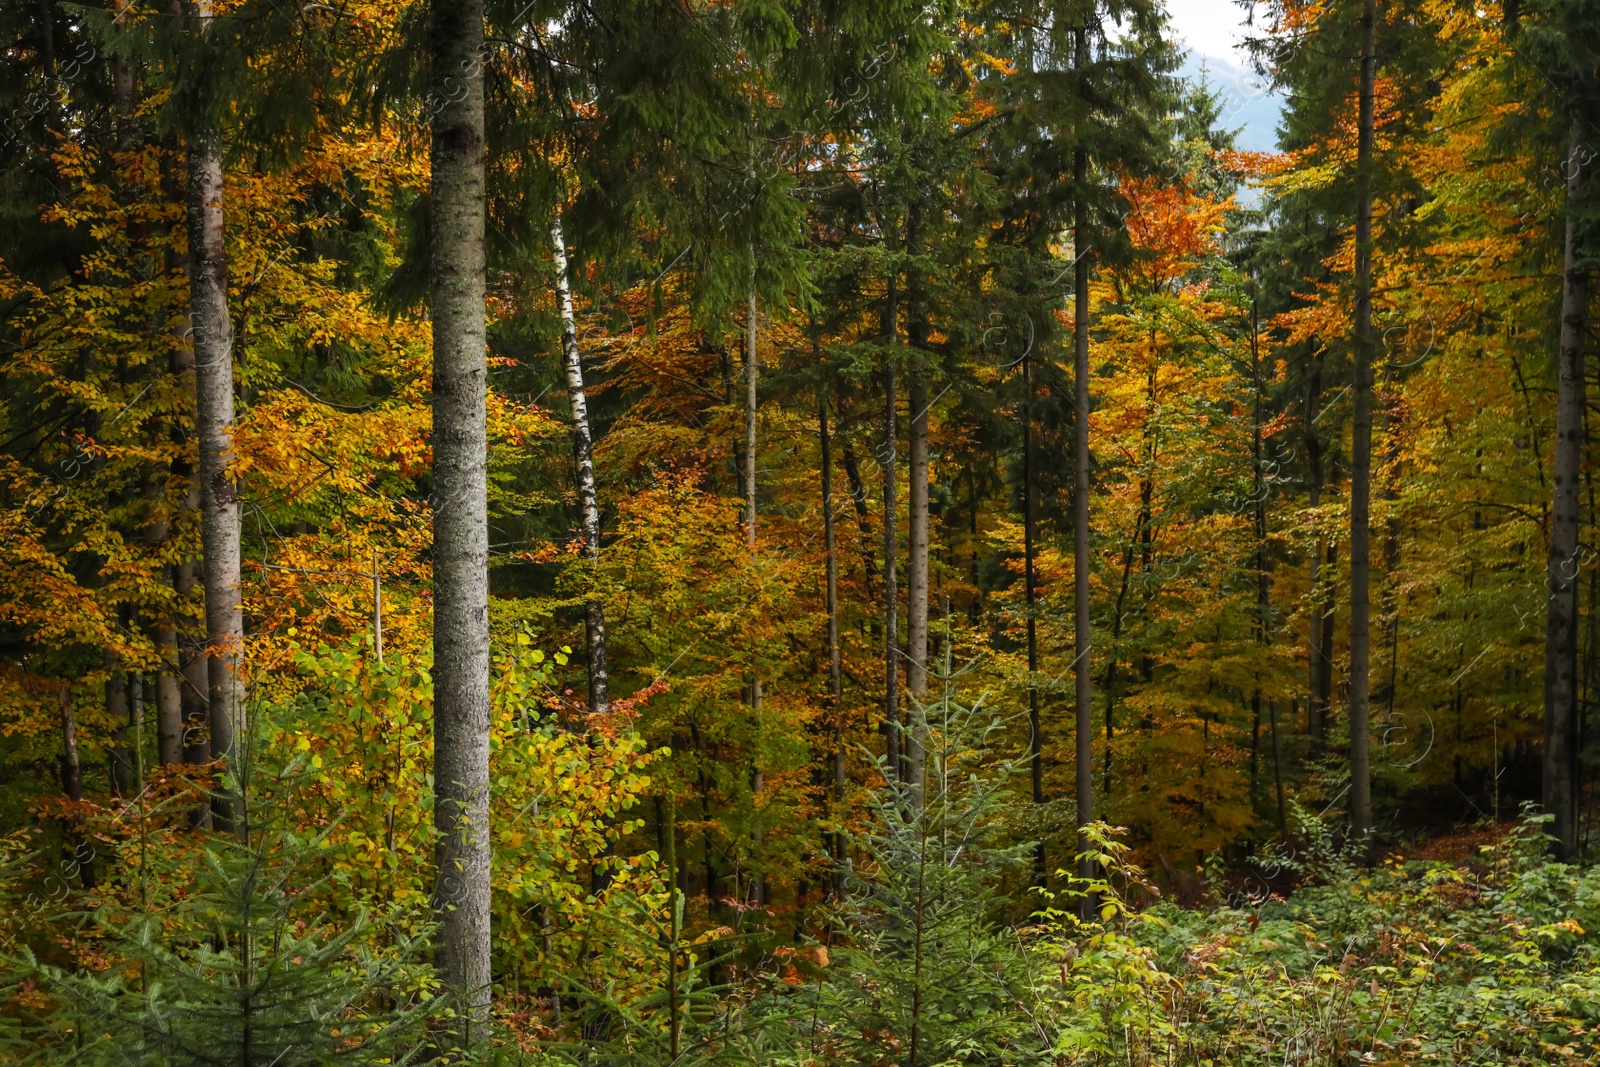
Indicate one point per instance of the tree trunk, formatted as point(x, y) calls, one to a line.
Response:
point(758, 780)
point(117, 713)
point(1082, 636)
point(583, 454)
point(72, 786)
point(1263, 579)
point(917, 587)
point(168, 698)
point(1316, 695)
point(1361, 453)
point(891, 598)
point(1030, 591)
point(835, 667)
point(195, 679)
point(751, 372)
point(858, 495)
point(916, 739)
point(1560, 792)
point(460, 523)
point(219, 495)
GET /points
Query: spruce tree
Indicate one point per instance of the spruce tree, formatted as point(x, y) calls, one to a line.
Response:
point(924, 969)
point(224, 961)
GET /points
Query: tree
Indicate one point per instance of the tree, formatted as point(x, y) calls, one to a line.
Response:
point(1361, 446)
point(212, 343)
point(460, 505)
point(245, 967)
point(931, 975)
point(583, 454)
point(1562, 37)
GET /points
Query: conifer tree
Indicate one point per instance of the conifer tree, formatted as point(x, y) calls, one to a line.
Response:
point(928, 974)
point(241, 967)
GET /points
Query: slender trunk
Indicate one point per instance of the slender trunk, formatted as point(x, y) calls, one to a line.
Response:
point(891, 607)
point(72, 786)
point(1319, 667)
point(1361, 452)
point(181, 687)
point(916, 741)
point(460, 523)
point(1030, 588)
point(1560, 792)
point(858, 495)
point(751, 371)
point(588, 498)
point(835, 667)
point(168, 698)
point(219, 495)
point(917, 586)
point(1263, 583)
point(1031, 593)
point(1330, 633)
point(1277, 764)
point(1082, 637)
point(758, 781)
point(136, 718)
point(195, 678)
point(117, 713)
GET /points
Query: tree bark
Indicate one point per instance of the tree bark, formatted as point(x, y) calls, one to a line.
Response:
point(1082, 635)
point(1263, 578)
point(1318, 667)
point(751, 372)
point(72, 786)
point(1560, 792)
point(758, 780)
point(117, 713)
point(891, 597)
point(460, 522)
point(588, 496)
point(916, 739)
point(917, 586)
point(1030, 591)
point(219, 495)
point(168, 698)
point(835, 667)
point(1361, 451)
point(858, 495)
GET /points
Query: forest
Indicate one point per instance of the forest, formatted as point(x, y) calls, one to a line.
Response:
point(732, 533)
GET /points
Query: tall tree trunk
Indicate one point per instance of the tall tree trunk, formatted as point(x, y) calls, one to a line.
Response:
point(460, 522)
point(1560, 792)
point(758, 779)
point(583, 453)
point(1263, 581)
point(1031, 598)
point(751, 373)
point(1361, 453)
point(891, 597)
point(1030, 592)
point(219, 495)
point(1082, 636)
point(1316, 698)
point(916, 741)
point(835, 666)
point(917, 586)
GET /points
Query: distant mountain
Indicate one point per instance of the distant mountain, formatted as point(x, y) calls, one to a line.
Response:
point(1248, 104)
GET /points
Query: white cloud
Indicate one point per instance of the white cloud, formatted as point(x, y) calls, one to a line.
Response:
point(1211, 27)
